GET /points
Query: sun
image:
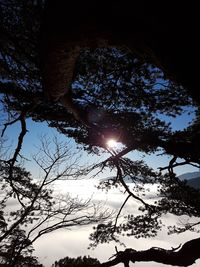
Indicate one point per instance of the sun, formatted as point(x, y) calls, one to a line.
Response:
point(111, 143)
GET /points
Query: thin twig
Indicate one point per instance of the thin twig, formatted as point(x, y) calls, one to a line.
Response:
point(9, 123)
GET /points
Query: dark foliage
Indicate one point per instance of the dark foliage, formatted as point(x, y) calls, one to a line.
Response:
point(12, 254)
point(77, 262)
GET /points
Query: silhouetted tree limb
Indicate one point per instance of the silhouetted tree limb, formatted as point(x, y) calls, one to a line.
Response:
point(61, 44)
point(185, 256)
point(22, 119)
point(177, 164)
point(119, 212)
point(120, 177)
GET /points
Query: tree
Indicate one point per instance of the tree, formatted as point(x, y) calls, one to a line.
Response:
point(88, 75)
point(12, 254)
point(77, 262)
point(38, 209)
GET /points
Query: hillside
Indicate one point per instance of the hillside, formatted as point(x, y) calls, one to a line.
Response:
point(189, 175)
point(193, 178)
point(195, 182)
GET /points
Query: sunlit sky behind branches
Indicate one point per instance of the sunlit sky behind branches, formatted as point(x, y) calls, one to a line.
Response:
point(37, 129)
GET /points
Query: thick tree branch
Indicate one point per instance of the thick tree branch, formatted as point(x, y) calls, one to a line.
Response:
point(185, 256)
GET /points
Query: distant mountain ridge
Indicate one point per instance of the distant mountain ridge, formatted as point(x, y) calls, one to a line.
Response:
point(192, 178)
point(189, 175)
